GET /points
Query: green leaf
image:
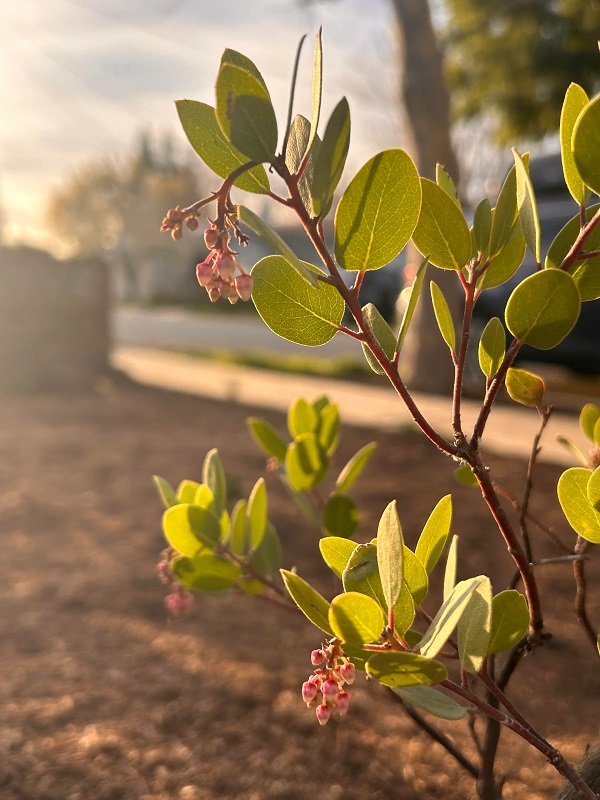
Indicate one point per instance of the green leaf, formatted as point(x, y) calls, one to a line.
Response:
point(266, 559)
point(382, 332)
point(200, 125)
point(267, 234)
point(527, 205)
point(302, 417)
point(586, 144)
point(213, 476)
point(593, 489)
point(206, 572)
point(543, 309)
point(317, 89)
point(328, 430)
point(432, 700)
point(331, 158)
point(267, 437)
point(492, 346)
point(448, 616)
point(482, 224)
point(243, 108)
point(309, 601)
point(390, 550)
point(256, 513)
point(445, 182)
point(205, 498)
point(189, 529)
point(510, 620)
point(442, 232)
point(378, 212)
point(186, 491)
point(415, 576)
point(464, 474)
point(415, 291)
point(291, 308)
point(524, 387)
point(305, 463)
point(586, 271)
point(397, 669)
point(590, 414)
point(575, 101)
point(238, 536)
point(474, 628)
point(336, 552)
point(506, 262)
point(443, 316)
point(451, 568)
point(321, 403)
point(356, 618)
point(404, 611)
point(573, 498)
point(361, 573)
point(165, 491)
point(354, 468)
point(297, 146)
point(435, 533)
point(506, 211)
point(340, 516)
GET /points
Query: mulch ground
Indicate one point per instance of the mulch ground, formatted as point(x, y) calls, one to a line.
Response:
point(103, 697)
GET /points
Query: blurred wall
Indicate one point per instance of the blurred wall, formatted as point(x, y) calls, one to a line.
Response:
point(54, 325)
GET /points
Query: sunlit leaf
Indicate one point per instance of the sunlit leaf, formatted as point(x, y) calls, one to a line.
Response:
point(309, 601)
point(510, 620)
point(397, 669)
point(356, 618)
point(575, 101)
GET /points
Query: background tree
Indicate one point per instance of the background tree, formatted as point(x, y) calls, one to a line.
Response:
point(516, 58)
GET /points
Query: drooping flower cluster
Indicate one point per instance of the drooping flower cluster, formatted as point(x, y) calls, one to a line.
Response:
point(179, 601)
point(325, 687)
point(174, 219)
point(217, 272)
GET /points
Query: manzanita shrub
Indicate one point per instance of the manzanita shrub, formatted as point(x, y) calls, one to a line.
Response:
point(451, 656)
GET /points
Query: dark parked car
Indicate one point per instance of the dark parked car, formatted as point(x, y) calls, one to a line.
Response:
point(580, 350)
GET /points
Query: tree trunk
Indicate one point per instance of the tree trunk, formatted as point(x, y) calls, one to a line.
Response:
point(425, 364)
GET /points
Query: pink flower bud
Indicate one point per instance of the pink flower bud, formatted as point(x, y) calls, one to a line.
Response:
point(317, 657)
point(214, 294)
point(348, 672)
point(330, 689)
point(323, 714)
point(177, 233)
point(173, 214)
point(244, 285)
point(228, 290)
point(211, 238)
point(192, 223)
point(204, 273)
point(178, 603)
point(233, 300)
point(309, 691)
point(342, 702)
point(227, 265)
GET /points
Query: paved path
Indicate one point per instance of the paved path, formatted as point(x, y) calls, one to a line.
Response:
point(183, 329)
point(510, 428)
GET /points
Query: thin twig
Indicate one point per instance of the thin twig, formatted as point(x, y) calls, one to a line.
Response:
point(580, 597)
point(546, 529)
point(545, 414)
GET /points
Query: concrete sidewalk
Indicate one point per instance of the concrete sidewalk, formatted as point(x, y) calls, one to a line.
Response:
point(510, 429)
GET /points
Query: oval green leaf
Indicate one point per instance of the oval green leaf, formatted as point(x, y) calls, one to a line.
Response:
point(524, 387)
point(527, 205)
point(586, 144)
point(330, 159)
point(573, 498)
point(382, 332)
point(189, 528)
point(433, 701)
point(505, 262)
point(414, 293)
point(312, 604)
point(256, 513)
point(474, 628)
point(353, 469)
point(378, 212)
point(267, 438)
point(390, 551)
point(435, 533)
point(448, 616)
point(443, 315)
point(510, 620)
point(291, 308)
point(302, 417)
point(543, 309)
point(305, 463)
point(206, 572)
point(213, 476)
point(405, 669)
point(482, 224)
point(442, 232)
point(165, 491)
point(336, 552)
point(575, 101)
point(356, 618)
point(492, 347)
point(340, 516)
point(586, 271)
point(328, 430)
point(200, 125)
point(588, 418)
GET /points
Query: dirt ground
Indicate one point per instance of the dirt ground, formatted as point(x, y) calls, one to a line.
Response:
point(103, 697)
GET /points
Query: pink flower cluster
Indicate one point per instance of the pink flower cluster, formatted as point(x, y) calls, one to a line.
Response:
point(216, 273)
point(179, 601)
point(325, 687)
point(174, 219)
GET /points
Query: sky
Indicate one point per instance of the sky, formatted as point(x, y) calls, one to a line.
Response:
point(81, 79)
